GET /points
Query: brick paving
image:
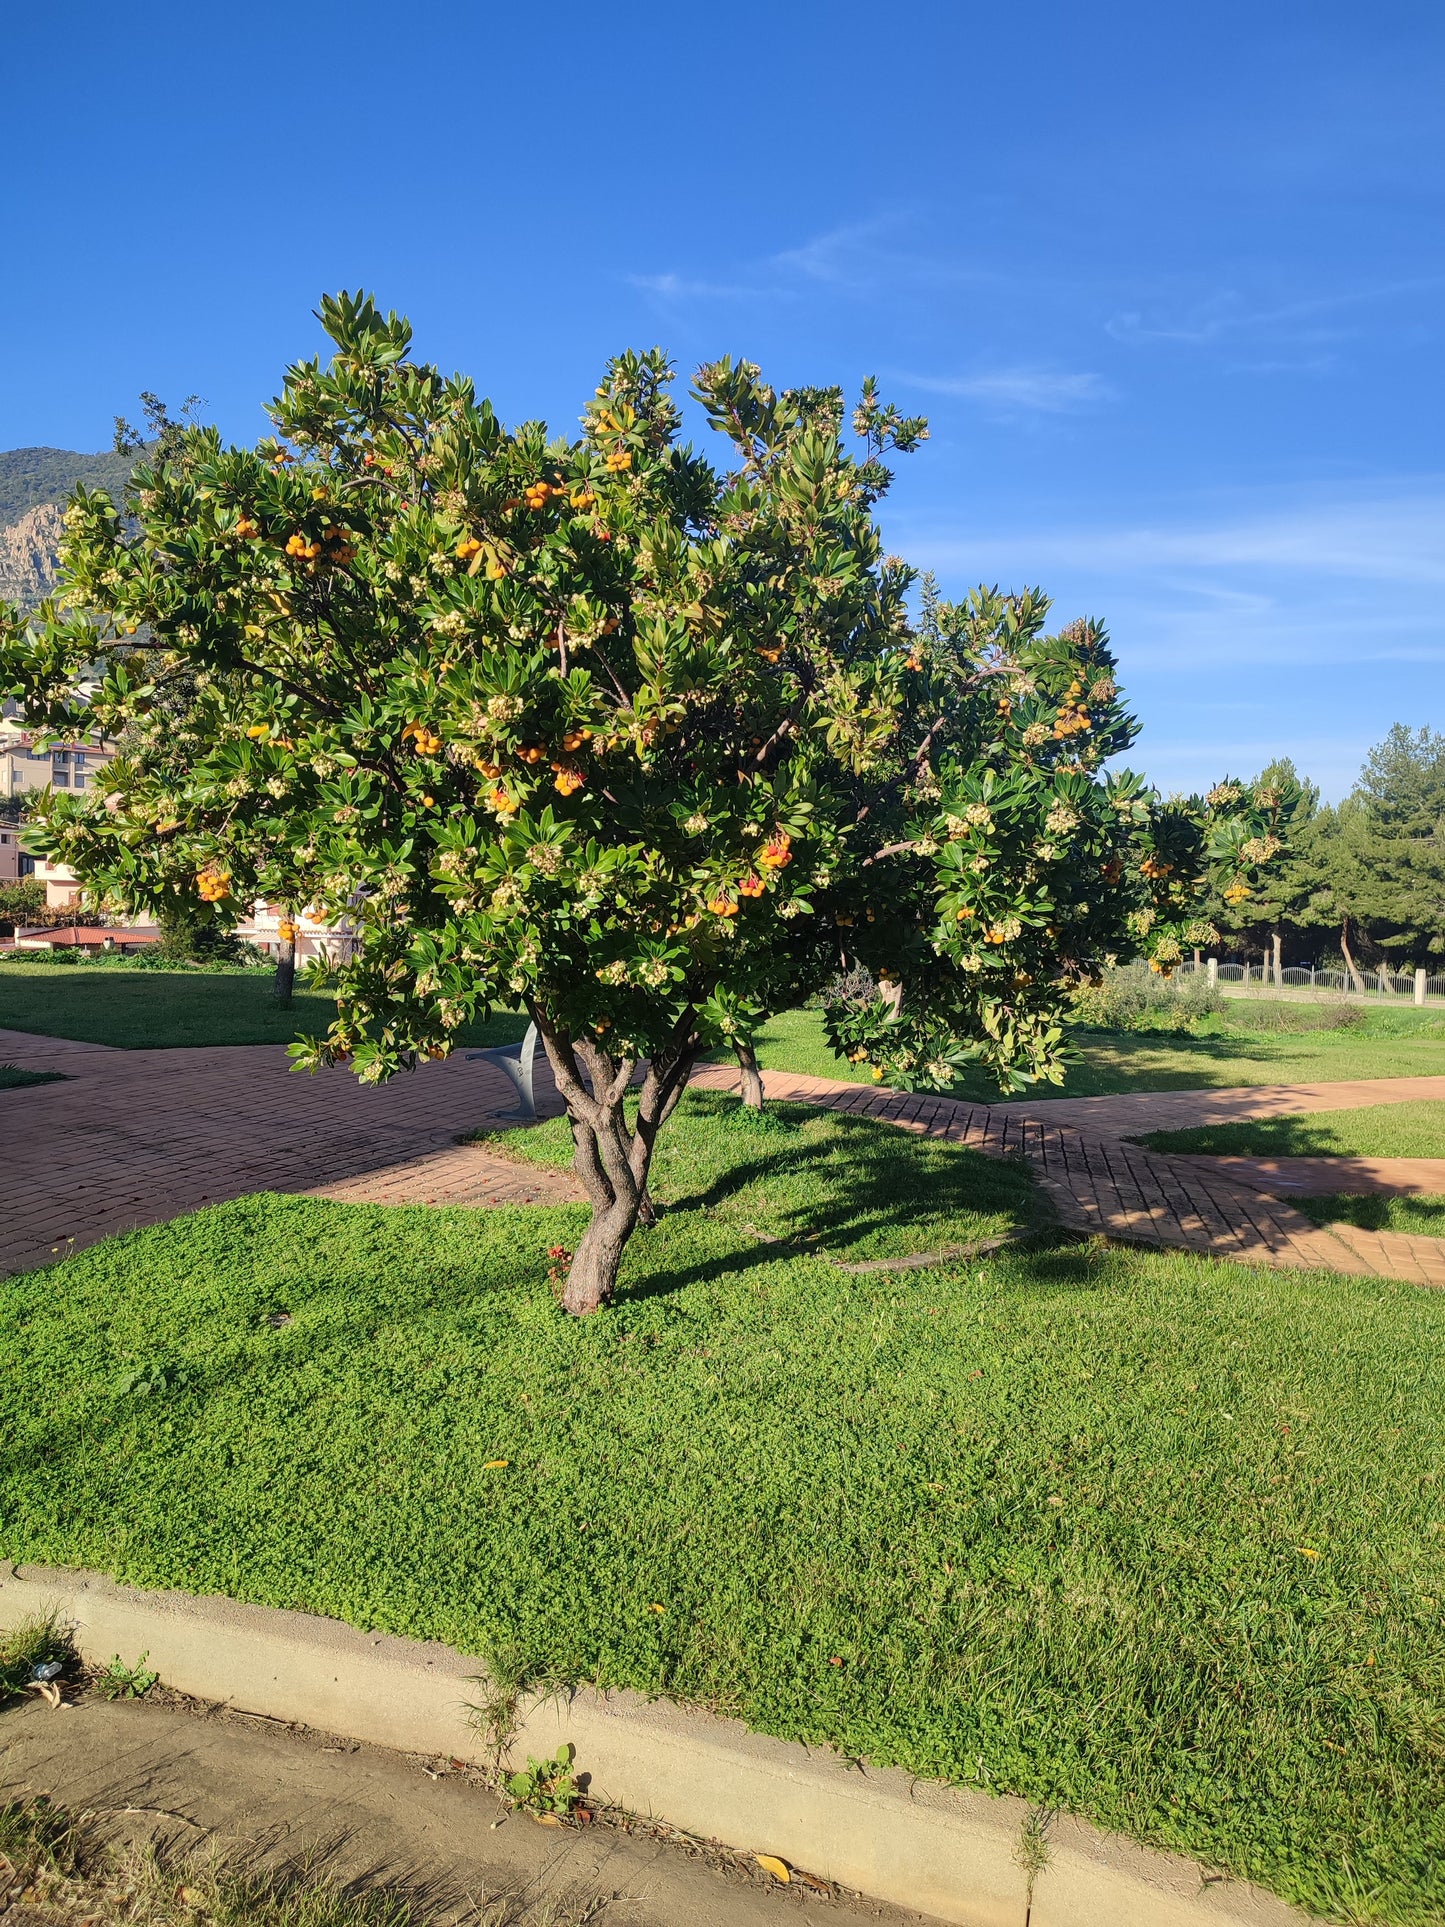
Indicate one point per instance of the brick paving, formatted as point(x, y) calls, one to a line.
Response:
point(1100, 1184)
point(1140, 1112)
point(1324, 1176)
point(133, 1137)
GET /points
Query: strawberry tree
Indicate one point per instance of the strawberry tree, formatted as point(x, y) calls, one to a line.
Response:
point(648, 745)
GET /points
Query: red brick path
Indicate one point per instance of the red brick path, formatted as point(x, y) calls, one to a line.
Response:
point(1101, 1184)
point(133, 1137)
point(136, 1137)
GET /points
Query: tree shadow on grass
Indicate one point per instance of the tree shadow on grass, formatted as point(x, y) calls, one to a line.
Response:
point(1259, 1137)
point(1411, 1212)
point(850, 1188)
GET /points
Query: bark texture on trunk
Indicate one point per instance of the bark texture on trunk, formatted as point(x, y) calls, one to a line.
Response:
point(612, 1158)
point(1355, 978)
point(285, 963)
point(751, 1087)
point(1278, 962)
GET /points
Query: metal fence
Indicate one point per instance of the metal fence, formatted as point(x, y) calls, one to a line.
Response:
point(1411, 986)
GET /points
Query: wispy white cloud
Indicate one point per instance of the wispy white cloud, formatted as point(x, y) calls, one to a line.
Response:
point(1047, 391)
point(1396, 539)
point(1312, 320)
point(859, 258)
point(679, 288)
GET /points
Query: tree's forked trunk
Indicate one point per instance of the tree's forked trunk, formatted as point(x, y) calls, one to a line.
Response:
point(611, 1159)
point(751, 1085)
point(285, 961)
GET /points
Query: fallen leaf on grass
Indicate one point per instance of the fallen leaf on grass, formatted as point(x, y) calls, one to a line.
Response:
point(546, 1819)
point(770, 1863)
point(1307, 1552)
point(496, 1465)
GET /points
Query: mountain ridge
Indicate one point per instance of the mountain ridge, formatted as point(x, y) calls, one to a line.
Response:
point(32, 476)
point(34, 483)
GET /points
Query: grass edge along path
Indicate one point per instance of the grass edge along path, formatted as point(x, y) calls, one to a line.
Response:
point(1409, 1130)
point(1149, 1538)
point(13, 1078)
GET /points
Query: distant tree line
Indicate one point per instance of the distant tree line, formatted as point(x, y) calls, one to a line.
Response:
point(1362, 880)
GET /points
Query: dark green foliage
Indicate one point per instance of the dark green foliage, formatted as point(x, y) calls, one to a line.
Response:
point(190, 935)
point(1042, 1523)
point(30, 476)
point(21, 903)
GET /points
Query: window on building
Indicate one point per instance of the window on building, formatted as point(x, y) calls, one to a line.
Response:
point(61, 778)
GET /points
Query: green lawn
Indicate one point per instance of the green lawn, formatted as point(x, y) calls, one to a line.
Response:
point(138, 1009)
point(1420, 1212)
point(1042, 1522)
point(12, 1077)
point(1413, 1130)
point(155, 1009)
point(1389, 1044)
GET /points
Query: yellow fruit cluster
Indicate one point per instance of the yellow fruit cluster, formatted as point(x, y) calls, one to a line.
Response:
point(213, 885)
point(777, 851)
point(618, 461)
point(568, 778)
point(427, 741)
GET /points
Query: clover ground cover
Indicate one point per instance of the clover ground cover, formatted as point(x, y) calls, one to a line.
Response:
point(1155, 1539)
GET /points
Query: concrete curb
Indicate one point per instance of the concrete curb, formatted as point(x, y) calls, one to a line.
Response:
point(943, 1852)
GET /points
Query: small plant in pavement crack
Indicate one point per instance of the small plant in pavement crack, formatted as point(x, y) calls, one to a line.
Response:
point(117, 1681)
point(547, 1789)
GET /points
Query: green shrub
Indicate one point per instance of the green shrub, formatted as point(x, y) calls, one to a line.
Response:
point(1133, 997)
point(1275, 1014)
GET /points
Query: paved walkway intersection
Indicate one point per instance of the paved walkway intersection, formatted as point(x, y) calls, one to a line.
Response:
point(135, 1137)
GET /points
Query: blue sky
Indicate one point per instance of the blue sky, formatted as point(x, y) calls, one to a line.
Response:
point(1168, 282)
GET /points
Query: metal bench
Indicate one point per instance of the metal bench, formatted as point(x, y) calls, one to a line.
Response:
point(518, 1061)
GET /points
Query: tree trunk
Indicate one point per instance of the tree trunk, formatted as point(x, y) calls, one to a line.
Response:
point(1355, 978)
point(1278, 962)
point(285, 962)
point(592, 1279)
point(611, 1160)
point(751, 1088)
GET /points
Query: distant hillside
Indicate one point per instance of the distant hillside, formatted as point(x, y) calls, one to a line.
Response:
point(29, 555)
point(30, 476)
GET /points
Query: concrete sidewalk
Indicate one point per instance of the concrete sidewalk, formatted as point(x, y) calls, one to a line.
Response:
point(203, 1779)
